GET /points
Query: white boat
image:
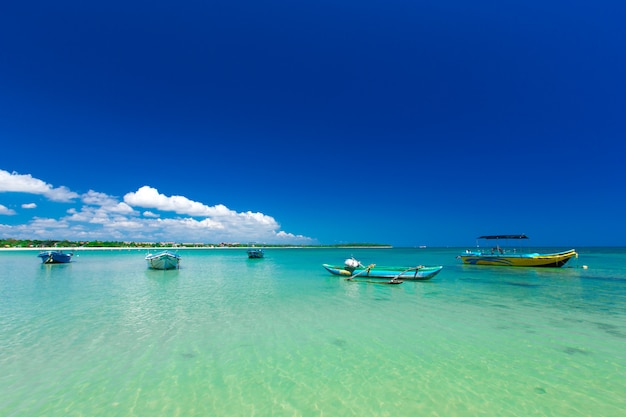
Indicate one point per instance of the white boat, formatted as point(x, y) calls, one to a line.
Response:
point(163, 260)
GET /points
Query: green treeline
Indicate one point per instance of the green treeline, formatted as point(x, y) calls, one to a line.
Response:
point(27, 243)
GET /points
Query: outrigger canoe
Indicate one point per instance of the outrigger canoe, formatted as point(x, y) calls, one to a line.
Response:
point(395, 273)
point(498, 256)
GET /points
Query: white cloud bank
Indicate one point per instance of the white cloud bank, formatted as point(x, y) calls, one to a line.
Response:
point(27, 184)
point(99, 216)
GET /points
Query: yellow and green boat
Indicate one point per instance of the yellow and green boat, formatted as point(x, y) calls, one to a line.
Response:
point(498, 255)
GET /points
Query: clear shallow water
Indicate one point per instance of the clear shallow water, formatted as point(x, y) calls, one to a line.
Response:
point(228, 336)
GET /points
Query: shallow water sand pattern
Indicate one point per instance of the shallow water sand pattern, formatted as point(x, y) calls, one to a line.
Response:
point(223, 336)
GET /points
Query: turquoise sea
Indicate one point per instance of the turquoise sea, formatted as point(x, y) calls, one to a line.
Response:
point(280, 336)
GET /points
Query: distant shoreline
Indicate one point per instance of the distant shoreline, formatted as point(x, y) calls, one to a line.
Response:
point(270, 247)
point(147, 248)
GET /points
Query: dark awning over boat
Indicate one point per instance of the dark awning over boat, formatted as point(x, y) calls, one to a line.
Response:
point(504, 237)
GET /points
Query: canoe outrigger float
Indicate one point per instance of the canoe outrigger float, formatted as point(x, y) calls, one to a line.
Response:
point(498, 256)
point(392, 274)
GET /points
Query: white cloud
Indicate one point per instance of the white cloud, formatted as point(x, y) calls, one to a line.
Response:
point(6, 211)
point(29, 206)
point(95, 198)
point(148, 197)
point(14, 182)
point(106, 202)
point(104, 217)
point(218, 224)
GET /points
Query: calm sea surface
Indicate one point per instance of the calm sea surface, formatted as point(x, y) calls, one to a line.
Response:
point(280, 336)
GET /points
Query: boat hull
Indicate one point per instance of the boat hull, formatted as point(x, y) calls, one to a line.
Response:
point(387, 272)
point(548, 260)
point(255, 254)
point(55, 257)
point(163, 260)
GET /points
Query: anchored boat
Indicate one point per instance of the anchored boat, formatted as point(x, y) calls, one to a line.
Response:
point(255, 253)
point(354, 269)
point(163, 260)
point(55, 257)
point(497, 255)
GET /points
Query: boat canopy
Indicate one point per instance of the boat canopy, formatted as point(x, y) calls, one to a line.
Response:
point(522, 236)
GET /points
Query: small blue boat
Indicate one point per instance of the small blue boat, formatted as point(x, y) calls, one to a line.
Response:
point(255, 253)
point(55, 257)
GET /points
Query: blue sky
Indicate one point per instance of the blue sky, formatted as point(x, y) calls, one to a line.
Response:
point(400, 122)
